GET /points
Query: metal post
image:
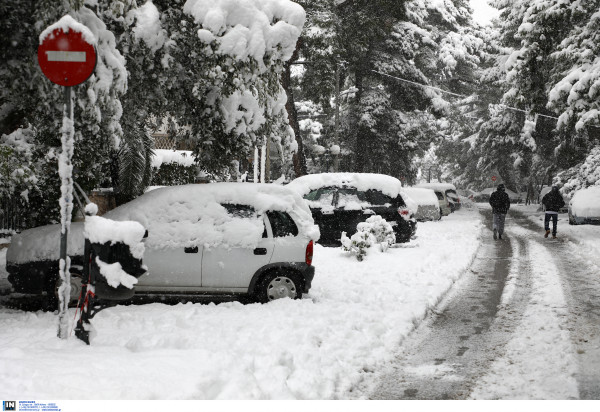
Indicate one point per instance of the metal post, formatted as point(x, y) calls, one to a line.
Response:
point(66, 208)
point(336, 138)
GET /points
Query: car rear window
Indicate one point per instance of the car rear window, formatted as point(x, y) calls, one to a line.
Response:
point(282, 224)
point(323, 196)
point(376, 198)
point(439, 195)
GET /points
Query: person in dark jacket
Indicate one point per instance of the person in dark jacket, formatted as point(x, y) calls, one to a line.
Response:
point(500, 204)
point(552, 201)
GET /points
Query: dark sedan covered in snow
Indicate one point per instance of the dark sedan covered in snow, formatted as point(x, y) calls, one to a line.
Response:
point(340, 201)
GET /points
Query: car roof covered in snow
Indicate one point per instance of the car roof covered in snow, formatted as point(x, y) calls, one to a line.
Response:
point(388, 185)
point(421, 195)
point(437, 186)
point(183, 216)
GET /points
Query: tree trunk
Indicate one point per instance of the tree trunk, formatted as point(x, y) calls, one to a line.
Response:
point(298, 158)
point(360, 143)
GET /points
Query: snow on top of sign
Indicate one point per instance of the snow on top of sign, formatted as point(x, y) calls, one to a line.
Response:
point(586, 202)
point(422, 196)
point(362, 181)
point(66, 24)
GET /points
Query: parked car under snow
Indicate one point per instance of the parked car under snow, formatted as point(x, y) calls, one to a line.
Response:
point(340, 201)
point(441, 190)
point(584, 207)
point(220, 238)
point(428, 207)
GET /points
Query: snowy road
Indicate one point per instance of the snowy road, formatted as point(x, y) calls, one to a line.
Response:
point(523, 323)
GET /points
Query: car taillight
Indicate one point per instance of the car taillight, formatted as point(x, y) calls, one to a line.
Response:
point(404, 212)
point(309, 253)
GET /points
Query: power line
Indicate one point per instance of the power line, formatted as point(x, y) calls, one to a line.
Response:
point(462, 95)
point(420, 84)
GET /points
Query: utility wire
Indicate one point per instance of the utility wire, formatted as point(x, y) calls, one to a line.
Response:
point(462, 95)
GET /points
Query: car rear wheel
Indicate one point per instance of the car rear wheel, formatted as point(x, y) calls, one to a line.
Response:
point(278, 285)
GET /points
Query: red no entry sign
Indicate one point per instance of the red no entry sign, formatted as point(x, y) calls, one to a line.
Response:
point(66, 58)
point(493, 178)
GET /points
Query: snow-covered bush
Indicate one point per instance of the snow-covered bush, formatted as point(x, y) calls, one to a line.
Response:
point(374, 231)
point(358, 244)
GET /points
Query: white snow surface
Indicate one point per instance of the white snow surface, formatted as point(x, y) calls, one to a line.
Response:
point(101, 230)
point(388, 185)
point(66, 24)
point(586, 202)
point(320, 347)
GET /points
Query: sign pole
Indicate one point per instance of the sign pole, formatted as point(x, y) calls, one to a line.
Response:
point(65, 170)
point(67, 57)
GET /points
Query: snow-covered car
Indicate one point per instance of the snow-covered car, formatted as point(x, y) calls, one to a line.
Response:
point(440, 191)
point(340, 201)
point(584, 207)
point(428, 207)
point(219, 238)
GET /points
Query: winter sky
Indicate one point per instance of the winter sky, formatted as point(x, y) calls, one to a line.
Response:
point(482, 11)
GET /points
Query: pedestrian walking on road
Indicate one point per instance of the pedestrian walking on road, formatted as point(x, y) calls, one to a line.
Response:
point(500, 204)
point(552, 202)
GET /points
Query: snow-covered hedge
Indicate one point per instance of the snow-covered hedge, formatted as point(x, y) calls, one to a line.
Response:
point(374, 231)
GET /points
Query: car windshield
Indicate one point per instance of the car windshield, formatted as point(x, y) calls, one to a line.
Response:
point(439, 195)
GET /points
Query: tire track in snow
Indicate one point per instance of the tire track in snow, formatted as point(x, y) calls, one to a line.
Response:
point(449, 351)
point(539, 360)
point(580, 279)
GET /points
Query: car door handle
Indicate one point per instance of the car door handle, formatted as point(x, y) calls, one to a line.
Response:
point(260, 251)
point(191, 249)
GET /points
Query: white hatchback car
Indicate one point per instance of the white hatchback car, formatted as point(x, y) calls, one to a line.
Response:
point(218, 238)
